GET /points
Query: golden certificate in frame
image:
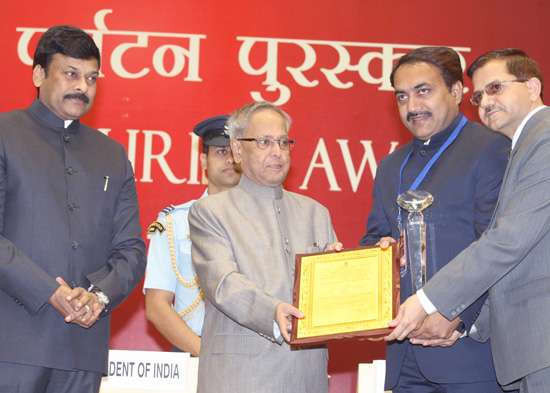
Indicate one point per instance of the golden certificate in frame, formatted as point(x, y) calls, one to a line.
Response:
point(354, 292)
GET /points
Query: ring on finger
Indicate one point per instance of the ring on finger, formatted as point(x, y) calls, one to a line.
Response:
point(87, 308)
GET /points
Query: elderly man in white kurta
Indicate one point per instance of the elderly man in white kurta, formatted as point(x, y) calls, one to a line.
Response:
point(244, 242)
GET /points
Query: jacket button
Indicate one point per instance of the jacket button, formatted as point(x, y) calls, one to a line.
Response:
point(75, 244)
point(69, 170)
point(66, 138)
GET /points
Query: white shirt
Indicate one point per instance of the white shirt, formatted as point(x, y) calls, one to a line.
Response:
point(522, 124)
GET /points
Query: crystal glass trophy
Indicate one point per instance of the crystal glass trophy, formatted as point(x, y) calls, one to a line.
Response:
point(414, 201)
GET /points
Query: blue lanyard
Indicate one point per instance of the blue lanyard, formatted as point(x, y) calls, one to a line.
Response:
point(429, 165)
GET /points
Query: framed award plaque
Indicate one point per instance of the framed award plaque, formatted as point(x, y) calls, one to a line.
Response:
point(345, 294)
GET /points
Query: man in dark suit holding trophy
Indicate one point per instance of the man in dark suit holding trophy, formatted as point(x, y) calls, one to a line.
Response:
point(461, 164)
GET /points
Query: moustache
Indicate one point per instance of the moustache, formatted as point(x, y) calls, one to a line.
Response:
point(490, 108)
point(82, 97)
point(420, 113)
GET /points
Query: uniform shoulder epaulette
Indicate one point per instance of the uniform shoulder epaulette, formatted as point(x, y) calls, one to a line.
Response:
point(168, 209)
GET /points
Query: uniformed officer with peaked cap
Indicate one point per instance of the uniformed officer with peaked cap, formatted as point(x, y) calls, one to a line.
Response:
point(170, 274)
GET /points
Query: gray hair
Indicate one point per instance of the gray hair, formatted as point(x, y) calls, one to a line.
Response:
point(240, 119)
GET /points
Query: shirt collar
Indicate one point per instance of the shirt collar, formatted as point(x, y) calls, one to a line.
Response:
point(260, 191)
point(522, 124)
point(46, 116)
point(440, 138)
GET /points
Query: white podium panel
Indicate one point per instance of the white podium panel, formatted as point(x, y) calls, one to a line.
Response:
point(150, 372)
point(370, 377)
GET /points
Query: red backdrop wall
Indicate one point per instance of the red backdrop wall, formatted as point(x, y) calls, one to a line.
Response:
point(169, 64)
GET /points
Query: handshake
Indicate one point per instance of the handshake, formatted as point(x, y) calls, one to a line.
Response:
point(76, 305)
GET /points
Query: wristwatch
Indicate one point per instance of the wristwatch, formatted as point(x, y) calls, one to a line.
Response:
point(102, 299)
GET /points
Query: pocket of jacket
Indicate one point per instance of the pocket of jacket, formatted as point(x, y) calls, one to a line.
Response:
point(527, 291)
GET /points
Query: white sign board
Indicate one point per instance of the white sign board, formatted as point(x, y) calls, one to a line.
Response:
point(147, 370)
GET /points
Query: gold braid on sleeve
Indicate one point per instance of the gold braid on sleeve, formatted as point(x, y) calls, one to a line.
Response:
point(198, 302)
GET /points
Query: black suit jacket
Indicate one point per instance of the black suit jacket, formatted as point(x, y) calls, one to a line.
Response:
point(465, 182)
point(57, 219)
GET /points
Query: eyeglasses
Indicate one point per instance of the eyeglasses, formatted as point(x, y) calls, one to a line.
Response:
point(492, 89)
point(268, 142)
